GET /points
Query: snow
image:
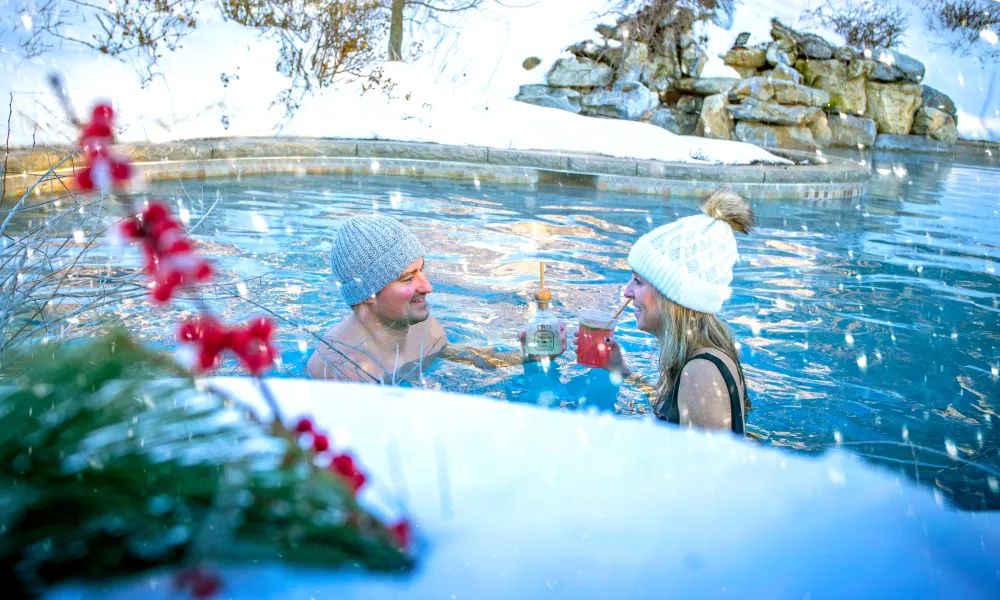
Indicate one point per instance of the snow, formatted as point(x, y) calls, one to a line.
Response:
point(428, 102)
point(460, 89)
point(514, 501)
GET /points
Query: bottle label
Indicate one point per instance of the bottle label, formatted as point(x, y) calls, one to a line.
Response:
point(545, 341)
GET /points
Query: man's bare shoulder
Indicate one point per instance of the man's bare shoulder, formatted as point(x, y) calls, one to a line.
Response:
point(337, 356)
point(432, 332)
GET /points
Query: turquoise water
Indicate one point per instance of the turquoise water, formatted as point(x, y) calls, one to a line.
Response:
point(871, 324)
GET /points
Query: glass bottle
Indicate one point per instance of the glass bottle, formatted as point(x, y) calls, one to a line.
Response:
point(542, 336)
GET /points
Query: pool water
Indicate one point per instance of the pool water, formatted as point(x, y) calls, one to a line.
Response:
point(868, 324)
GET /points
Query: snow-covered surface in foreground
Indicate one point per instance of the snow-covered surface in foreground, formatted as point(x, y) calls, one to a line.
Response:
point(513, 501)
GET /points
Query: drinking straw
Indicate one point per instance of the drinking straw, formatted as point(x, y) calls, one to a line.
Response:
point(627, 301)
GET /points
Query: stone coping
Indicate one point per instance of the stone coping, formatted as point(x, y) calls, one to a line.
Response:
point(228, 157)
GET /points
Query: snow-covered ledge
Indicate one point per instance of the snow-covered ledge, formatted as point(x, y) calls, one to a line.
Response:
point(512, 501)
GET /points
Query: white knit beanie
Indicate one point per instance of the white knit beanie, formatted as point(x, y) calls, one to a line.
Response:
point(690, 261)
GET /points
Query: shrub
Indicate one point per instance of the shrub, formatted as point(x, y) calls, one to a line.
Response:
point(863, 25)
point(644, 18)
point(966, 27)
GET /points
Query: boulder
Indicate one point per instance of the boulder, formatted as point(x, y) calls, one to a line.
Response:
point(543, 95)
point(579, 72)
point(634, 62)
point(775, 55)
point(674, 121)
point(909, 143)
point(665, 50)
point(746, 58)
point(775, 136)
point(846, 94)
point(820, 128)
point(861, 67)
point(769, 112)
point(658, 77)
point(589, 49)
point(531, 62)
point(708, 86)
point(788, 92)
point(892, 66)
point(851, 132)
point(846, 53)
point(690, 104)
point(714, 121)
point(811, 45)
point(781, 32)
point(628, 100)
point(783, 73)
point(609, 32)
point(693, 60)
point(935, 99)
point(892, 105)
point(936, 124)
point(758, 88)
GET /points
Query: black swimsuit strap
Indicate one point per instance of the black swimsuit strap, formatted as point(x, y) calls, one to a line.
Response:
point(735, 401)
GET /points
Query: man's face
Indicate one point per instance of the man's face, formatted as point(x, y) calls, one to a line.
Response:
point(403, 302)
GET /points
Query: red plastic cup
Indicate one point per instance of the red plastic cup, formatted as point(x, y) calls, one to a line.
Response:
point(592, 349)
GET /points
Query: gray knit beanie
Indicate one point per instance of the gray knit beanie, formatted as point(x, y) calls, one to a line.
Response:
point(370, 252)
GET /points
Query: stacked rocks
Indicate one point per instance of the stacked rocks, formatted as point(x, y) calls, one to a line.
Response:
point(623, 78)
point(796, 91)
point(870, 92)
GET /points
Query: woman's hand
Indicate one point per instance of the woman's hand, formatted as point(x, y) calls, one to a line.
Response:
point(523, 335)
point(616, 357)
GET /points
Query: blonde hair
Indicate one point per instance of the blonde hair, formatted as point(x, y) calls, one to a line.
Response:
point(683, 329)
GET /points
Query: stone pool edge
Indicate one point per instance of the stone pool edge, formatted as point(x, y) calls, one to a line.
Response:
point(824, 178)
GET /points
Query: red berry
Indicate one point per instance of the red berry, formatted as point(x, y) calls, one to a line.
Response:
point(401, 532)
point(84, 181)
point(343, 465)
point(304, 426)
point(321, 443)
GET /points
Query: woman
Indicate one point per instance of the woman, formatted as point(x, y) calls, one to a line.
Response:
point(680, 278)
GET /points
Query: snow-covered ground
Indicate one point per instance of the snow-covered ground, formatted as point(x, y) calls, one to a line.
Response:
point(458, 92)
point(515, 501)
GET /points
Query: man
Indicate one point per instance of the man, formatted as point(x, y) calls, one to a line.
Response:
point(378, 265)
point(390, 335)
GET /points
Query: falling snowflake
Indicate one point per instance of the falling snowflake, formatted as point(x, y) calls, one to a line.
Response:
point(849, 339)
point(951, 448)
point(863, 362)
point(259, 224)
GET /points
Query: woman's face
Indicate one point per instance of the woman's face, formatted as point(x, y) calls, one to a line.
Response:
point(648, 316)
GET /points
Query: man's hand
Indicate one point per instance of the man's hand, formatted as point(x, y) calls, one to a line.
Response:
point(522, 336)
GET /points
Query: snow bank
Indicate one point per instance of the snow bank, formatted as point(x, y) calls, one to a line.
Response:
point(514, 501)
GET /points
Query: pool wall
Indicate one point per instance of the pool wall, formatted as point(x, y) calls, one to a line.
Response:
point(823, 178)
